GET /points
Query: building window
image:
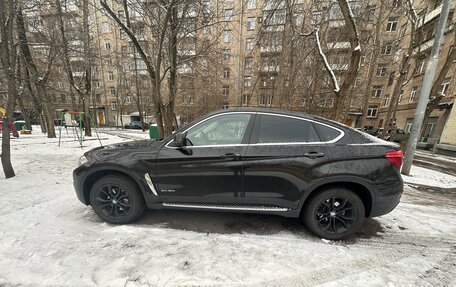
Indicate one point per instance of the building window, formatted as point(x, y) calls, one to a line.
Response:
point(316, 17)
point(227, 54)
point(107, 45)
point(113, 106)
point(391, 78)
point(226, 73)
point(248, 62)
point(381, 70)
point(110, 76)
point(399, 98)
point(251, 4)
point(270, 100)
point(112, 91)
point(245, 99)
point(391, 26)
point(251, 23)
point(408, 125)
point(357, 82)
point(413, 94)
point(226, 91)
point(386, 48)
point(105, 27)
point(98, 98)
point(225, 105)
point(386, 100)
point(262, 100)
point(372, 111)
point(124, 49)
point(206, 29)
point(227, 36)
point(228, 15)
point(249, 44)
point(128, 99)
point(247, 81)
point(419, 68)
point(370, 12)
point(123, 35)
point(396, 3)
point(403, 30)
point(188, 99)
point(444, 87)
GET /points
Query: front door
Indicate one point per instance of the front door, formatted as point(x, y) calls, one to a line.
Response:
point(209, 167)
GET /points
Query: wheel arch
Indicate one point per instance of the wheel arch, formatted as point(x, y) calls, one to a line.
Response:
point(361, 189)
point(99, 173)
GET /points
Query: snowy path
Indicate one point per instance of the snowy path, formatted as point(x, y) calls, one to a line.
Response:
point(48, 238)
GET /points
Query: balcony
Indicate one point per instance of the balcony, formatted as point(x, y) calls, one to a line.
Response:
point(338, 45)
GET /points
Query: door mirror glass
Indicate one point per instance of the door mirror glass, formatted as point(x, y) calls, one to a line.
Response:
point(179, 139)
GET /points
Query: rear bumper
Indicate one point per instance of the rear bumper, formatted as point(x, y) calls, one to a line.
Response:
point(387, 197)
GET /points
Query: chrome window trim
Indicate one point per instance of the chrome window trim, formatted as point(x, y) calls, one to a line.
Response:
point(217, 115)
point(336, 139)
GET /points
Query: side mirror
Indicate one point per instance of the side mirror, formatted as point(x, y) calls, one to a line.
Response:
point(179, 139)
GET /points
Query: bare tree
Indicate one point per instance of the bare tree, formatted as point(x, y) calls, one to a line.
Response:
point(403, 69)
point(38, 81)
point(85, 91)
point(341, 91)
point(8, 58)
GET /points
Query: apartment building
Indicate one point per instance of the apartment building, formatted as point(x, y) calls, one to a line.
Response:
point(256, 53)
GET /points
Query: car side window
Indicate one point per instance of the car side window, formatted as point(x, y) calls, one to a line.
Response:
point(326, 133)
point(278, 129)
point(219, 130)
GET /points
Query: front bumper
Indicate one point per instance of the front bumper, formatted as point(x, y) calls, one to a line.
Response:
point(78, 183)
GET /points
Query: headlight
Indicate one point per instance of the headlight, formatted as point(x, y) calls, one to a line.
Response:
point(82, 160)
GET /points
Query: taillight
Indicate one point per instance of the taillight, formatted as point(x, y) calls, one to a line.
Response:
point(395, 158)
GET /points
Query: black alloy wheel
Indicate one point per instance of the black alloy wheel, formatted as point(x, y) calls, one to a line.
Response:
point(334, 214)
point(116, 199)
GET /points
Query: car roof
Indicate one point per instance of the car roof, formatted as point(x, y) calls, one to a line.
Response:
point(266, 110)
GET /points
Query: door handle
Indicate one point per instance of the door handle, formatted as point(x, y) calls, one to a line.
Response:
point(314, 154)
point(231, 155)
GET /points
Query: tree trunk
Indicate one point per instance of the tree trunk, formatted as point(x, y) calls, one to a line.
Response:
point(8, 60)
point(391, 115)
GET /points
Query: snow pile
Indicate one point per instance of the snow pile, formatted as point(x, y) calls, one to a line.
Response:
point(427, 177)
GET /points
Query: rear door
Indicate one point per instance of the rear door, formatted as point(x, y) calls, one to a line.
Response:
point(284, 156)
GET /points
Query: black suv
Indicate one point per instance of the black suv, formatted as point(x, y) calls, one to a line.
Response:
point(249, 160)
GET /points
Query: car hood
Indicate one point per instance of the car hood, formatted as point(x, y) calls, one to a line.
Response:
point(126, 151)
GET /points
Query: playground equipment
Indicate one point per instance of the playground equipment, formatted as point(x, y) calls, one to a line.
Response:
point(12, 127)
point(75, 121)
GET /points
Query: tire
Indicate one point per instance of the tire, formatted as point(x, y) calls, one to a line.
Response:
point(117, 199)
point(334, 214)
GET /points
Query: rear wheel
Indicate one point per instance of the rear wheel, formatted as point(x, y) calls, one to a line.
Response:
point(116, 199)
point(334, 213)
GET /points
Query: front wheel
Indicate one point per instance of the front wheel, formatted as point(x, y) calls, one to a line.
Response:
point(116, 199)
point(334, 213)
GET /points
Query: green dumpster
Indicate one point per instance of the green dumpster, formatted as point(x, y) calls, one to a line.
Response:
point(19, 124)
point(153, 132)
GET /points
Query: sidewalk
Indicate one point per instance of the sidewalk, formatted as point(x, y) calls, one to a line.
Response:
point(435, 162)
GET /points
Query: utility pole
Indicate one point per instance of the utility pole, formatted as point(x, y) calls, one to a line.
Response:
point(428, 79)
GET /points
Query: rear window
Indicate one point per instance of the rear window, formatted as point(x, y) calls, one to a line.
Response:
point(278, 129)
point(326, 133)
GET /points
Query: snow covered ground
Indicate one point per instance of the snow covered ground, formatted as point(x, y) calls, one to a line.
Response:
point(48, 238)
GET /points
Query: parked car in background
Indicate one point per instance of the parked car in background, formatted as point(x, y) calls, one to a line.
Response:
point(249, 160)
point(396, 135)
point(136, 125)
